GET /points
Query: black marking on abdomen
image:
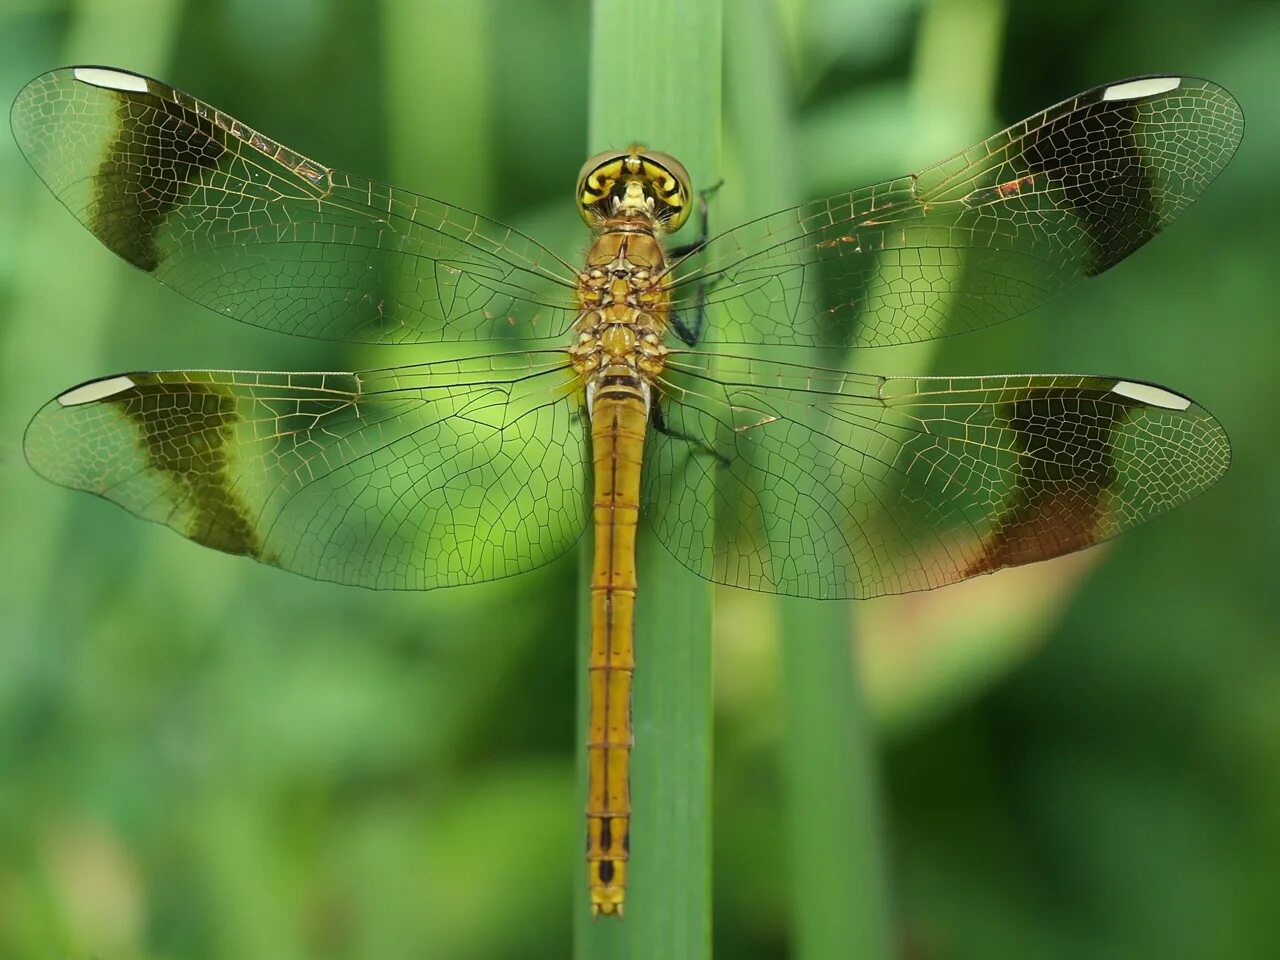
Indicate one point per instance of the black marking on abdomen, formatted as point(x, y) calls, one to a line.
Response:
point(619, 380)
point(143, 177)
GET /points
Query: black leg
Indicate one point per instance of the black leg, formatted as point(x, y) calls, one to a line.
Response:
point(692, 333)
point(704, 223)
point(660, 424)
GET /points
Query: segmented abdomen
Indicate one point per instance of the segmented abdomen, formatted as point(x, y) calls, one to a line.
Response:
point(618, 421)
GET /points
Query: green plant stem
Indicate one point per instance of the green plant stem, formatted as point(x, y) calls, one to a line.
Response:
point(839, 903)
point(431, 46)
point(655, 79)
point(839, 897)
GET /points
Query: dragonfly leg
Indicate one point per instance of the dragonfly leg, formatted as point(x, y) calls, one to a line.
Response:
point(660, 424)
point(692, 333)
point(704, 223)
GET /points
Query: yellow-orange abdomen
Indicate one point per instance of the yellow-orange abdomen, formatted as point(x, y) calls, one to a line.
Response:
point(618, 421)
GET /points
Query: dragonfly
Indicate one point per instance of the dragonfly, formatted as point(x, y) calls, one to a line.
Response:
point(605, 392)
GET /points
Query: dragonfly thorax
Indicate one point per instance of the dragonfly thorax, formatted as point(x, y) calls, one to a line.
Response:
point(618, 341)
point(623, 303)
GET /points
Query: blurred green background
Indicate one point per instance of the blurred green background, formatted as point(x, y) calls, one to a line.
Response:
point(203, 757)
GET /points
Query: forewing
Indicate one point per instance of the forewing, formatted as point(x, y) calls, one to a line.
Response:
point(253, 230)
point(978, 238)
point(406, 478)
point(830, 485)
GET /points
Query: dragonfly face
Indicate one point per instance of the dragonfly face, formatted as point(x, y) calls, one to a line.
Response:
point(636, 183)
point(824, 483)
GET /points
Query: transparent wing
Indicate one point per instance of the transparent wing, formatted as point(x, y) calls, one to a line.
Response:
point(976, 239)
point(406, 478)
point(253, 230)
point(834, 485)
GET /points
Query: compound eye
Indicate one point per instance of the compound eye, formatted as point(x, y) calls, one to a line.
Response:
point(672, 185)
point(596, 179)
point(607, 158)
point(673, 167)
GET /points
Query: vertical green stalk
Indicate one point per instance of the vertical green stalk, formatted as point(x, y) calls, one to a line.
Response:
point(655, 79)
point(431, 46)
point(839, 901)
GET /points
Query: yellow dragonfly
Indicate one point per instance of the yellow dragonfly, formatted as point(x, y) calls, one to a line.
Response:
point(588, 399)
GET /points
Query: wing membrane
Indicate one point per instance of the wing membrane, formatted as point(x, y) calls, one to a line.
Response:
point(833, 485)
point(251, 229)
point(978, 238)
point(406, 478)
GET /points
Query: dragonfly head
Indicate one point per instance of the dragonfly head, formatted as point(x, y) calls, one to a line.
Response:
point(634, 183)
